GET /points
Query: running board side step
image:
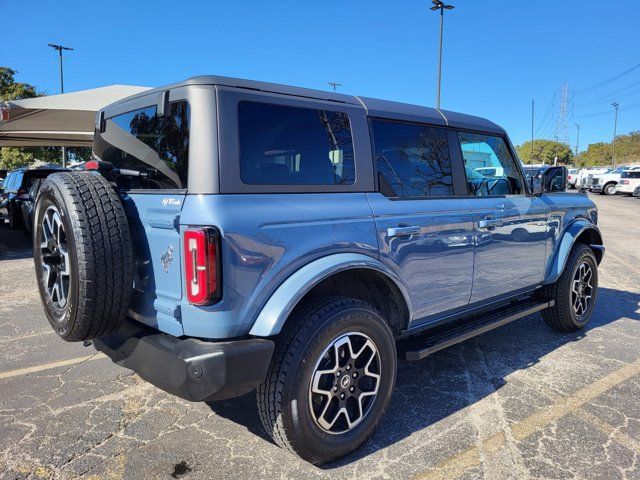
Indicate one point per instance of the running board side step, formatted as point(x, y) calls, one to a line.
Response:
point(425, 344)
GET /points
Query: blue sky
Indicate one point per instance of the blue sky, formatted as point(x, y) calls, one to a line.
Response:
point(498, 54)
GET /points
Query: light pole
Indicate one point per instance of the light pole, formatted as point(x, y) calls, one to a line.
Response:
point(60, 48)
point(577, 138)
point(439, 5)
point(334, 85)
point(615, 128)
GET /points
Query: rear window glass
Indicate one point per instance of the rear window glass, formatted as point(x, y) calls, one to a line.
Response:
point(283, 145)
point(630, 175)
point(154, 150)
point(412, 160)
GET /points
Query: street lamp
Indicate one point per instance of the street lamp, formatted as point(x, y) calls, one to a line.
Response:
point(577, 138)
point(439, 5)
point(60, 48)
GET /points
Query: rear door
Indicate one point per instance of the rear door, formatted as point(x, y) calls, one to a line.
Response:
point(510, 225)
point(425, 232)
point(152, 153)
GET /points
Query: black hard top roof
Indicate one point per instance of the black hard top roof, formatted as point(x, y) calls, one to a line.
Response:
point(374, 107)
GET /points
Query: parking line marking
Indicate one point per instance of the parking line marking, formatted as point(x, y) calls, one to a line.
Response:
point(48, 366)
point(28, 335)
point(458, 464)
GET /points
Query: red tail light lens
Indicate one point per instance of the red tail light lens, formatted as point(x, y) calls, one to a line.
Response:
point(202, 265)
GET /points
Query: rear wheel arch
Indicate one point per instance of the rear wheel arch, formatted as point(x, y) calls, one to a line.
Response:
point(368, 285)
point(348, 275)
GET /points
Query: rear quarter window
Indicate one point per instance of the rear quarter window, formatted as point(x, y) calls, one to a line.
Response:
point(154, 149)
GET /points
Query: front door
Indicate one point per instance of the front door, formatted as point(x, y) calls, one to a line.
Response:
point(510, 226)
point(425, 233)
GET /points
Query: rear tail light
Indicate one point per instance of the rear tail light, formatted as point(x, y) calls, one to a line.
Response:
point(624, 182)
point(202, 265)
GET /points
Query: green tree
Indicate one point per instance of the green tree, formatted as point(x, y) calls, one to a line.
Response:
point(15, 157)
point(601, 153)
point(545, 151)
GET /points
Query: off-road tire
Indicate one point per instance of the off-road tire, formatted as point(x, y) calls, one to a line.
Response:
point(562, 317)
point(283, 399)
point(98, 242)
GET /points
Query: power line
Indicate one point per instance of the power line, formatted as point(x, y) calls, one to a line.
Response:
point(546, 113)
point(607, 97)
point(595, 86)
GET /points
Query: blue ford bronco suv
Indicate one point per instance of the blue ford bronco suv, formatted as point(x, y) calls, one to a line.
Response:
point(233, 235)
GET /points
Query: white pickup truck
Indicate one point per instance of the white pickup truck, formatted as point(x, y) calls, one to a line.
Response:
point(584, 176)
point(606, 183)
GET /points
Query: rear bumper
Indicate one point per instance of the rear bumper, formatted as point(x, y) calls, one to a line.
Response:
point(189, 368)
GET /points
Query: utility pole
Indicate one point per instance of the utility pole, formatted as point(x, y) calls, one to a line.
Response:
point(532, 104)
point(439, 5)
point(615, 128)
point(60, 48)
point(577, 138)
point(334, 85)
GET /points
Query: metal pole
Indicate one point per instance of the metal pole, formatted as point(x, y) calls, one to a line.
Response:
point(440, 57)
point(532, 106)
point(615, 128)
point(60, 48)
point(577, 139)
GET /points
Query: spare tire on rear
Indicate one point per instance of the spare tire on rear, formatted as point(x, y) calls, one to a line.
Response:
point(82, 253)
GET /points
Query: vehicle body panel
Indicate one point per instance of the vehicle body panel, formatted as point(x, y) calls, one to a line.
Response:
point(443, 242)
point(266, 238)
point(509, 256)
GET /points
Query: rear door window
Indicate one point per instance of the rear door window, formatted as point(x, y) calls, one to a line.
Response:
point(630, 174)
point(285, 145)
point(412, 160)
point(155, 150)
point(489, 165)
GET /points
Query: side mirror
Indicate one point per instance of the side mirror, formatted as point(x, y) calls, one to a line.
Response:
point(554, 179)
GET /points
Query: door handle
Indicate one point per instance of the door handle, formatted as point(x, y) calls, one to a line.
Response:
point(489, 223)
point(403, 231)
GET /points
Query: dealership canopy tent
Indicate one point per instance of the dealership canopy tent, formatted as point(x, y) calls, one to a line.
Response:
point(57, 120)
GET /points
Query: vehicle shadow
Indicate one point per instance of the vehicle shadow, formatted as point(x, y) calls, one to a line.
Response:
point(14, 244)
point(431, 390)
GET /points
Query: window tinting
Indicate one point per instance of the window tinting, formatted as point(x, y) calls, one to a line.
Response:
point(282, 145)
point(630, 174)
point(490, 168)
point(155, 147)
point(412, 160)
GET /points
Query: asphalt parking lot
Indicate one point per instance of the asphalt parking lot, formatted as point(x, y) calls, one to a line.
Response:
point(518, 402)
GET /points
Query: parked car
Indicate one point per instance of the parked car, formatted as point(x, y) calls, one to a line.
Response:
point(28, 204)
point(606, 183)
point(17, 186)
point(636, 192)
point(233, 235)
point(572, 177)
point(629, 180)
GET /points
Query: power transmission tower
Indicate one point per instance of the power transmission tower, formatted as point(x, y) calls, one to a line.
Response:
point(562, 129)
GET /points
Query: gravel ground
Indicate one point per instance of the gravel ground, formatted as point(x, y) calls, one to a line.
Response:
point(519, 402)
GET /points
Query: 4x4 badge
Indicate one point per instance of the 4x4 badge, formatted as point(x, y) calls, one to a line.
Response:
point(166, 258)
